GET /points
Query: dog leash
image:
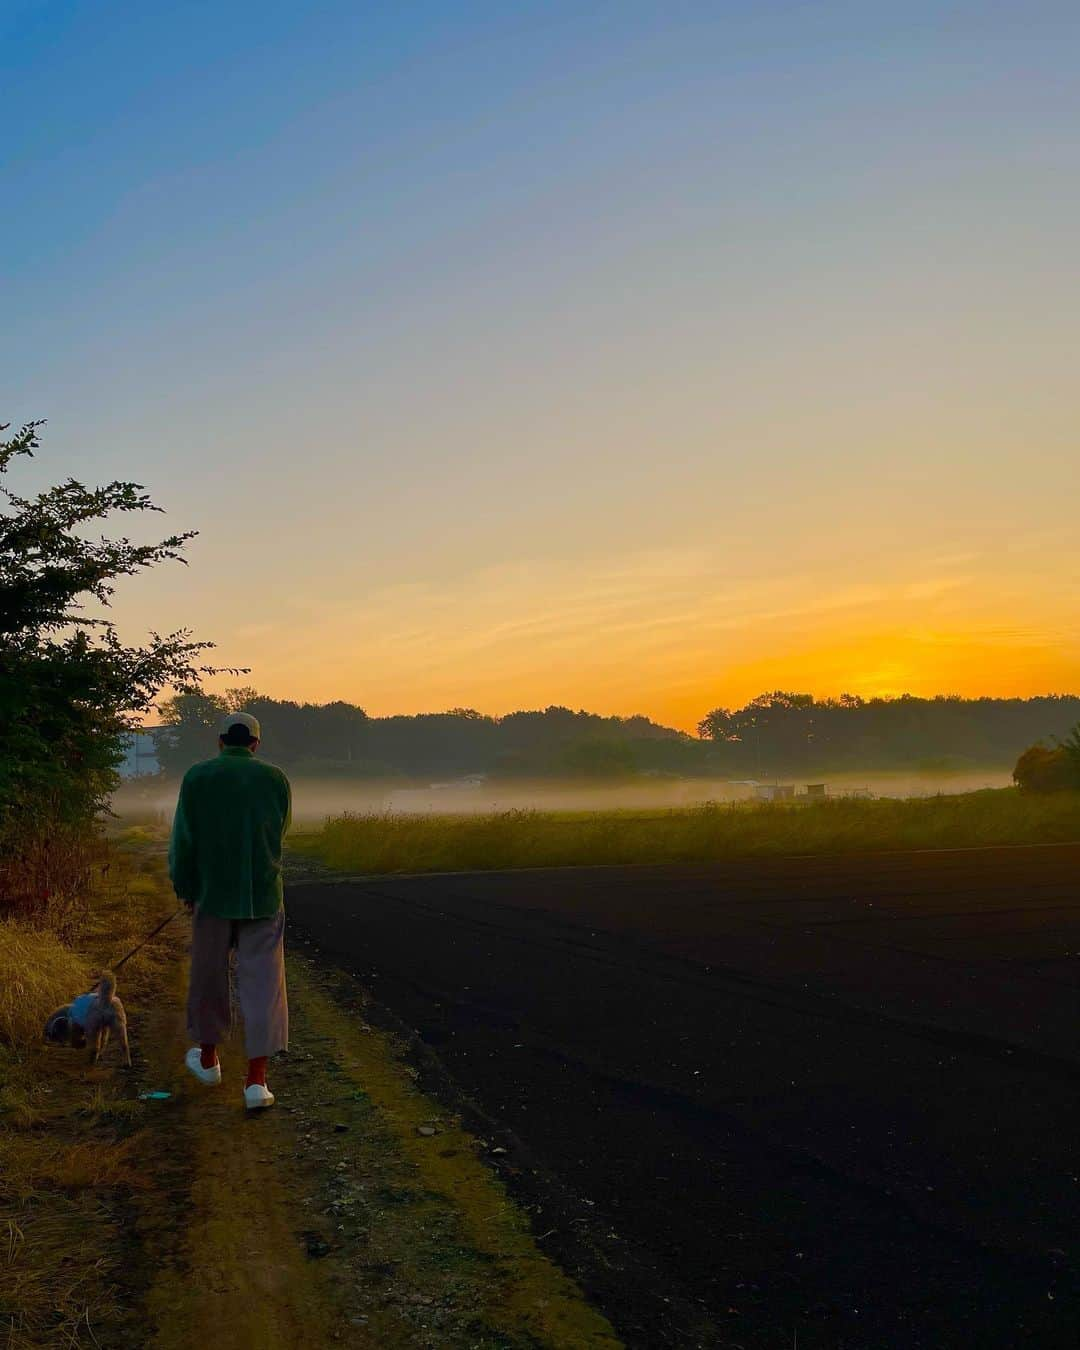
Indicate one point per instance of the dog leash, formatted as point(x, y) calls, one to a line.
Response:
point(152, 934)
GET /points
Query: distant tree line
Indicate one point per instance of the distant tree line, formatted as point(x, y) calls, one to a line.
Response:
point(779, 733)
point(795, 732)
point(339, 739)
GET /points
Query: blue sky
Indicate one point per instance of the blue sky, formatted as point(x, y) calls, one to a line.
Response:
point(622, 354)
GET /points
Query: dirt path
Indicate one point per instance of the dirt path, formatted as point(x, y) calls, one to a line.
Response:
point(354, 1212)
point(230, 1273)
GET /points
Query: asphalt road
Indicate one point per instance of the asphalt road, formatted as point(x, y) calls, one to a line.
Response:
point(825, 1098)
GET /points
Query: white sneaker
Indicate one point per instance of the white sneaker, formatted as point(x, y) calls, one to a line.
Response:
point(193, 1060)
point(257, 1096)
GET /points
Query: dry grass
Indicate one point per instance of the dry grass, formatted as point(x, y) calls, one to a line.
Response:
point(48, 959)
point(57, 1240)
point(99, 1162)
point(401, 843)
point(37, 974)
point(135, 837)
point(69, 1134)
point(59, 1303)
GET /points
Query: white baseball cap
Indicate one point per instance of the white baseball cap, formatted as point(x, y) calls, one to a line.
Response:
point(240, 719)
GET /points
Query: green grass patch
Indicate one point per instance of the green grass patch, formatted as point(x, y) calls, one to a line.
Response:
point(375, 844)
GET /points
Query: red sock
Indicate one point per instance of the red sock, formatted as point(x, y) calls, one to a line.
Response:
point(208, 1057)
point(256, 1071)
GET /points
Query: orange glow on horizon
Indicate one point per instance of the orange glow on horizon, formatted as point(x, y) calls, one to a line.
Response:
point(886, 664)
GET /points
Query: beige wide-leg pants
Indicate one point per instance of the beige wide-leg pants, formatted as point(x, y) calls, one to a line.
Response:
point(260, 981)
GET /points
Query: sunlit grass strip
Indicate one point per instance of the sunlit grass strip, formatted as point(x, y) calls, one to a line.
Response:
point(370, 844)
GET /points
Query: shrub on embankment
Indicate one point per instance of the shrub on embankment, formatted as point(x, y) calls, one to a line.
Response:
point(513, 839)
point(1042, 768)
point(68, 687)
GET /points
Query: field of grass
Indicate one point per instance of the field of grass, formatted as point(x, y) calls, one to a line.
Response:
point(370, 844)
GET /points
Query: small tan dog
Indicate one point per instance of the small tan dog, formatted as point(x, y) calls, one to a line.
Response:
point(106, 1015)
point(90, 1020)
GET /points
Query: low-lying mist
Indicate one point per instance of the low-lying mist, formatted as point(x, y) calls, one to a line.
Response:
point(315, 799)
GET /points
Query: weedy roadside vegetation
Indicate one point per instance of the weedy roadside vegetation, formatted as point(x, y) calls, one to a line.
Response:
point(68, 1136)
point(69, 691)
point(373, 844)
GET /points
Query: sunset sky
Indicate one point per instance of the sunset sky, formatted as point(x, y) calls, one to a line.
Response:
point(637, 357)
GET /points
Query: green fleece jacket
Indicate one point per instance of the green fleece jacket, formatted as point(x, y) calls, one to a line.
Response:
point(225, 849)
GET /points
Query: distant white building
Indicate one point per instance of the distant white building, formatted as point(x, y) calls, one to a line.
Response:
point(775, 792)
point(468, 780)
point(140, 754)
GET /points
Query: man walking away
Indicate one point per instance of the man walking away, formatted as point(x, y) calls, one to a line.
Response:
point(225, 865)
